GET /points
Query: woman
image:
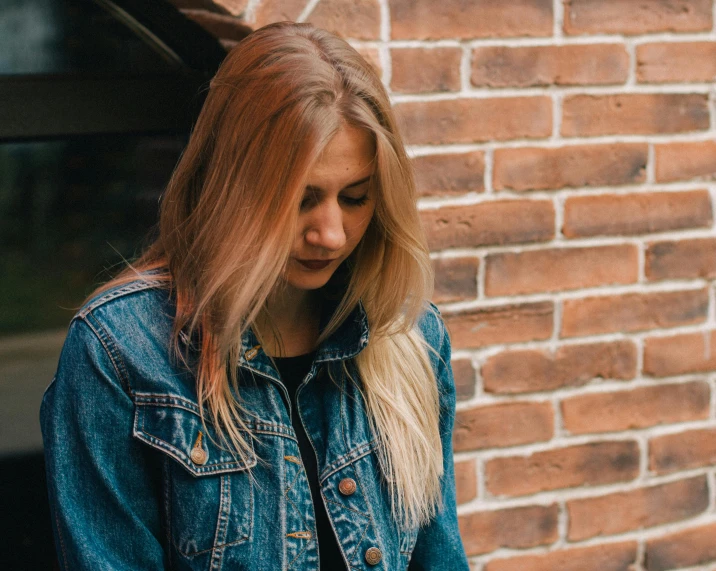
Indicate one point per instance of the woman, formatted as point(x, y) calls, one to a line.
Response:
point(266, 387)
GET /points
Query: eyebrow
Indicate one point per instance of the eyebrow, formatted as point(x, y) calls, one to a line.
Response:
point(314, 188)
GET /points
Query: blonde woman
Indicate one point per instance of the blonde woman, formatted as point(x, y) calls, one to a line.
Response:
point(267, 386)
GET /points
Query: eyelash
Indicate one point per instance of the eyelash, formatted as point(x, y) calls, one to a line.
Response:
point(347, 200)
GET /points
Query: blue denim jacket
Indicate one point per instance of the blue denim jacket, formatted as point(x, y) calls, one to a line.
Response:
point(133, 486)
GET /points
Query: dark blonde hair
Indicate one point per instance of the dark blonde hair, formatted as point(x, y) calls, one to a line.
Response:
point(228, 220)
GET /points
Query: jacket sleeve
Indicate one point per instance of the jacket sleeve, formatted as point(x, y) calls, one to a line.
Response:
point(439, 546)
point(103, 491)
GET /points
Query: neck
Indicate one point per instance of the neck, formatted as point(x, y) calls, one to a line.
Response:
point(288, 325)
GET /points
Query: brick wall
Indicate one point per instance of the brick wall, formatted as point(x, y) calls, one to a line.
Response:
point(566, 159)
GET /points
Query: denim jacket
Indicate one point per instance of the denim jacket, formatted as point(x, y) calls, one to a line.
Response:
point(136, 483)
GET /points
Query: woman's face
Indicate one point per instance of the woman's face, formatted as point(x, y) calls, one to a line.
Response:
point(337, 207)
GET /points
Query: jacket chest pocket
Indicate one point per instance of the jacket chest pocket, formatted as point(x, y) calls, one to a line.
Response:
point(208, 491)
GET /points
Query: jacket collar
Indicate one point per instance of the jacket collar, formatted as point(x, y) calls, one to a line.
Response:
point(346, 342)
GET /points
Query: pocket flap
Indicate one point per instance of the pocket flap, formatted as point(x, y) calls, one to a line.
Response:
point(172, 424)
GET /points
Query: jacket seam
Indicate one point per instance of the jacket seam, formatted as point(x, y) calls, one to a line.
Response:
point(105, 340)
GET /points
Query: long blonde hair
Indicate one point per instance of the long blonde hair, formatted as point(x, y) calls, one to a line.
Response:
point(227, 222)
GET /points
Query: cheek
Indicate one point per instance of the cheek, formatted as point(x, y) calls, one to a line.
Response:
point(357, 226)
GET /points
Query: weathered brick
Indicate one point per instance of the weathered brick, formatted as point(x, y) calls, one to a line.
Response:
point(570, 366)
point(517, 528)
point(495, 325)
point(682, 549)
point(359, 19)
point(449, 174)
point(694, 546)
point(455, 279)
point(681, 259)
point(489, 223)
point(637, 408)
point(574, 166)
point(634, 114)
point(560, 269)
point(418, 70)
point(267, 12)
point(680, 354)
point(235, 7)
point(223, 26)
point(637, 509)
point(683, 451)
point(529, 66)
point(464, 375)
point(637, 213)
point(609, 556)
point(685, 161)
point(427, 19)
point(643, 17)
point(633, 312)
point(475, 120)
point(504, 424)
point(676, 62)
point(465, 480)
point(593, 464)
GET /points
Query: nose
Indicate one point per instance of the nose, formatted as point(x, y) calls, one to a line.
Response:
point(325, 228)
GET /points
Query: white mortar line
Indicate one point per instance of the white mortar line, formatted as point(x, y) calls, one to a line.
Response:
point(556, 116)
point(489, 170)
point(603, 90)
point(631, 75)
point(651, 165)
point(250, 11)
point(481, 271)
point(307, 10)
point(641, 262)
point(465, 68)
point(643, 443)
point(558, 21)
point(386, 60)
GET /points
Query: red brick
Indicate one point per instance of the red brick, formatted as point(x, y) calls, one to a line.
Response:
point(633, 312)
point(489, 223)
point(504, 424)
point(475, 120)
point(235, 7)
point(465, 480)
point(419, 70)
point(634, 114)
point(455, 279)
point(549, 65)
point(223, 26)
point(681, 259)
point(637, 408)
point(637, 213)
point(686, 161)
point(643, 17)
point(593, 464)
point(683, 451)
point(358, 19)
point(464, 375)
point(495, 325)
point(694, 546)
point(427, 19)
point(570, 366)
point(680, 354)
point(573, 166)
point(450, 174)
point(560, 269)
point(517, 528)
point(610, 556)
point(676, 62)
point(267, 12)
point(637, 509)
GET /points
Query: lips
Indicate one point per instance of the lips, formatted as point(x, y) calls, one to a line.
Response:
point(314, 264)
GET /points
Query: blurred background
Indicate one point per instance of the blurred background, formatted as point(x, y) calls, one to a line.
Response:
point(565, 159)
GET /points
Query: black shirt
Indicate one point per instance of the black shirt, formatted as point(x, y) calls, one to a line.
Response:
point(293, 370)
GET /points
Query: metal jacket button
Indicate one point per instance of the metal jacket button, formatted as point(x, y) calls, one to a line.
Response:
point(347, 486)
point(373, 556)
point(198, 455)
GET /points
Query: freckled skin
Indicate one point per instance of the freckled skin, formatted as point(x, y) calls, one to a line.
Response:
point(333, 219)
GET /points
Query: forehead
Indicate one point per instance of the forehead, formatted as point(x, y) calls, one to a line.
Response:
point(349, 155)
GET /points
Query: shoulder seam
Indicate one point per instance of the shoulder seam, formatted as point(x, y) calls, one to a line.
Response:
point(132, 287)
